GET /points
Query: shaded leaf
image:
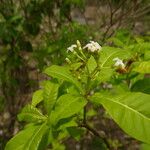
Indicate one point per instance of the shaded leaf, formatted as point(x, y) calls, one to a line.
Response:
point(65, 123)
point(142, 86)
point(75, 132)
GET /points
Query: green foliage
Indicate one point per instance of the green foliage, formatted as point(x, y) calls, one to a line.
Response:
point(91, 64)
point(142, 86)
point(66, 106)
point(109, 53)
point(108, 76)
point(50, 95)
point(142, 67)
point(31, 114)
point(62, 73)
point(22, 138)
point(35, 140)
point(145, 147)
point(130, 111)
point(37, 97)
point(35, 34)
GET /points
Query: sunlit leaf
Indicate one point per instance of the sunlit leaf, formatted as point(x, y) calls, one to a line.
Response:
point(145, 147)
point(37, 97)
point(130, 111)
point(91, 64)
point(19, 140)
point(63, 73)
point(50, 95)
point(35, 140)
point(109, 53)
point(31, 114)
point(66, 106)
point(142, 67)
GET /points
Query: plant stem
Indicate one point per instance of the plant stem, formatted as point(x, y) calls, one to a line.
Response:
point(84, 115)
point(89, 128)
point(84, 122)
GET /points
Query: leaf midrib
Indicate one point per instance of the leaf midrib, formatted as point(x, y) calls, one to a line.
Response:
point(34, 135)
point(66, 106)
point(130, 108)
point(108, 58)
point(69, 79)
point(34, 115)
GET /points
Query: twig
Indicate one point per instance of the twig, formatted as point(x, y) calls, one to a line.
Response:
point(89, 128)
point(92, 130)
point(84, 115)
point(111, 12)
point(116, 21)
point(121, 4)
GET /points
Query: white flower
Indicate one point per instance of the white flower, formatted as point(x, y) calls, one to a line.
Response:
point(93, 46)
point(118, 62)
point(71, 48)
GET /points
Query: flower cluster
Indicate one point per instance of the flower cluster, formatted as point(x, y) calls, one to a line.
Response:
point(93, 47)
point(71, 48)
point(118, 63)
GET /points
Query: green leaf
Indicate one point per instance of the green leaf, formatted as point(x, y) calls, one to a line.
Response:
point(145, 147)
point(75, 132)
point(37, 97)
point(35, 140)
point(66, 106)
point(117, 42)
point(105, 74)
point(147, 55)
point(91, 64)
point(63, 73)
point(142, 86)
point(20, 139)
point(142, 67)
point(131, 111)
point(76, 66)
point(109, 53)
point(50, 95)
point(31, 114)
point(65, 123)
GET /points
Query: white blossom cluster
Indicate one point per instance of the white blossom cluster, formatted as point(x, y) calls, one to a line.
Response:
point(71, 48)
point(118, 63)
point(93, 47)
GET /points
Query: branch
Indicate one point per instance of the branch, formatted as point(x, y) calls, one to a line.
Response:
point(111, 12)
point(121, 4)
point(120, 17)
point(92, 130)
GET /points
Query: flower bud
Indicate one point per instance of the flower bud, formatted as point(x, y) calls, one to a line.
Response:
point(68, 60)
point(78, 44)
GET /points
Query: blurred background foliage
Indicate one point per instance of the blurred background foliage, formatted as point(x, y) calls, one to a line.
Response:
point(36, 33)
